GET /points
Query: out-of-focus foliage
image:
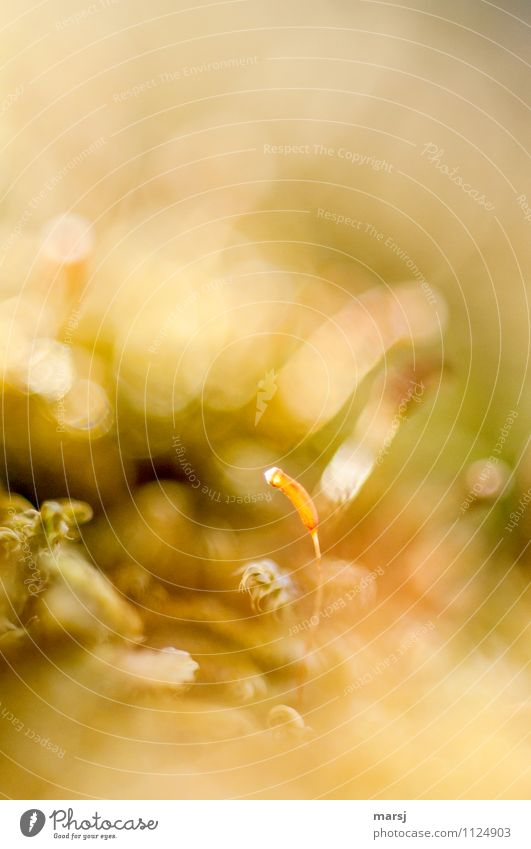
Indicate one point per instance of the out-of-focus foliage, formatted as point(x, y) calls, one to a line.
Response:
point(184, 304)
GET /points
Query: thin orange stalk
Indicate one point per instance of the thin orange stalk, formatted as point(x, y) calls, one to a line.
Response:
point(307, 511)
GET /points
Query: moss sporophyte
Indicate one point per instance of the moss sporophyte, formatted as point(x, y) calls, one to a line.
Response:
point(307, 511)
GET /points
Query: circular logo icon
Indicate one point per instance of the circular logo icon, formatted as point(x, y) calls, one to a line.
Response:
point(31, 822)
